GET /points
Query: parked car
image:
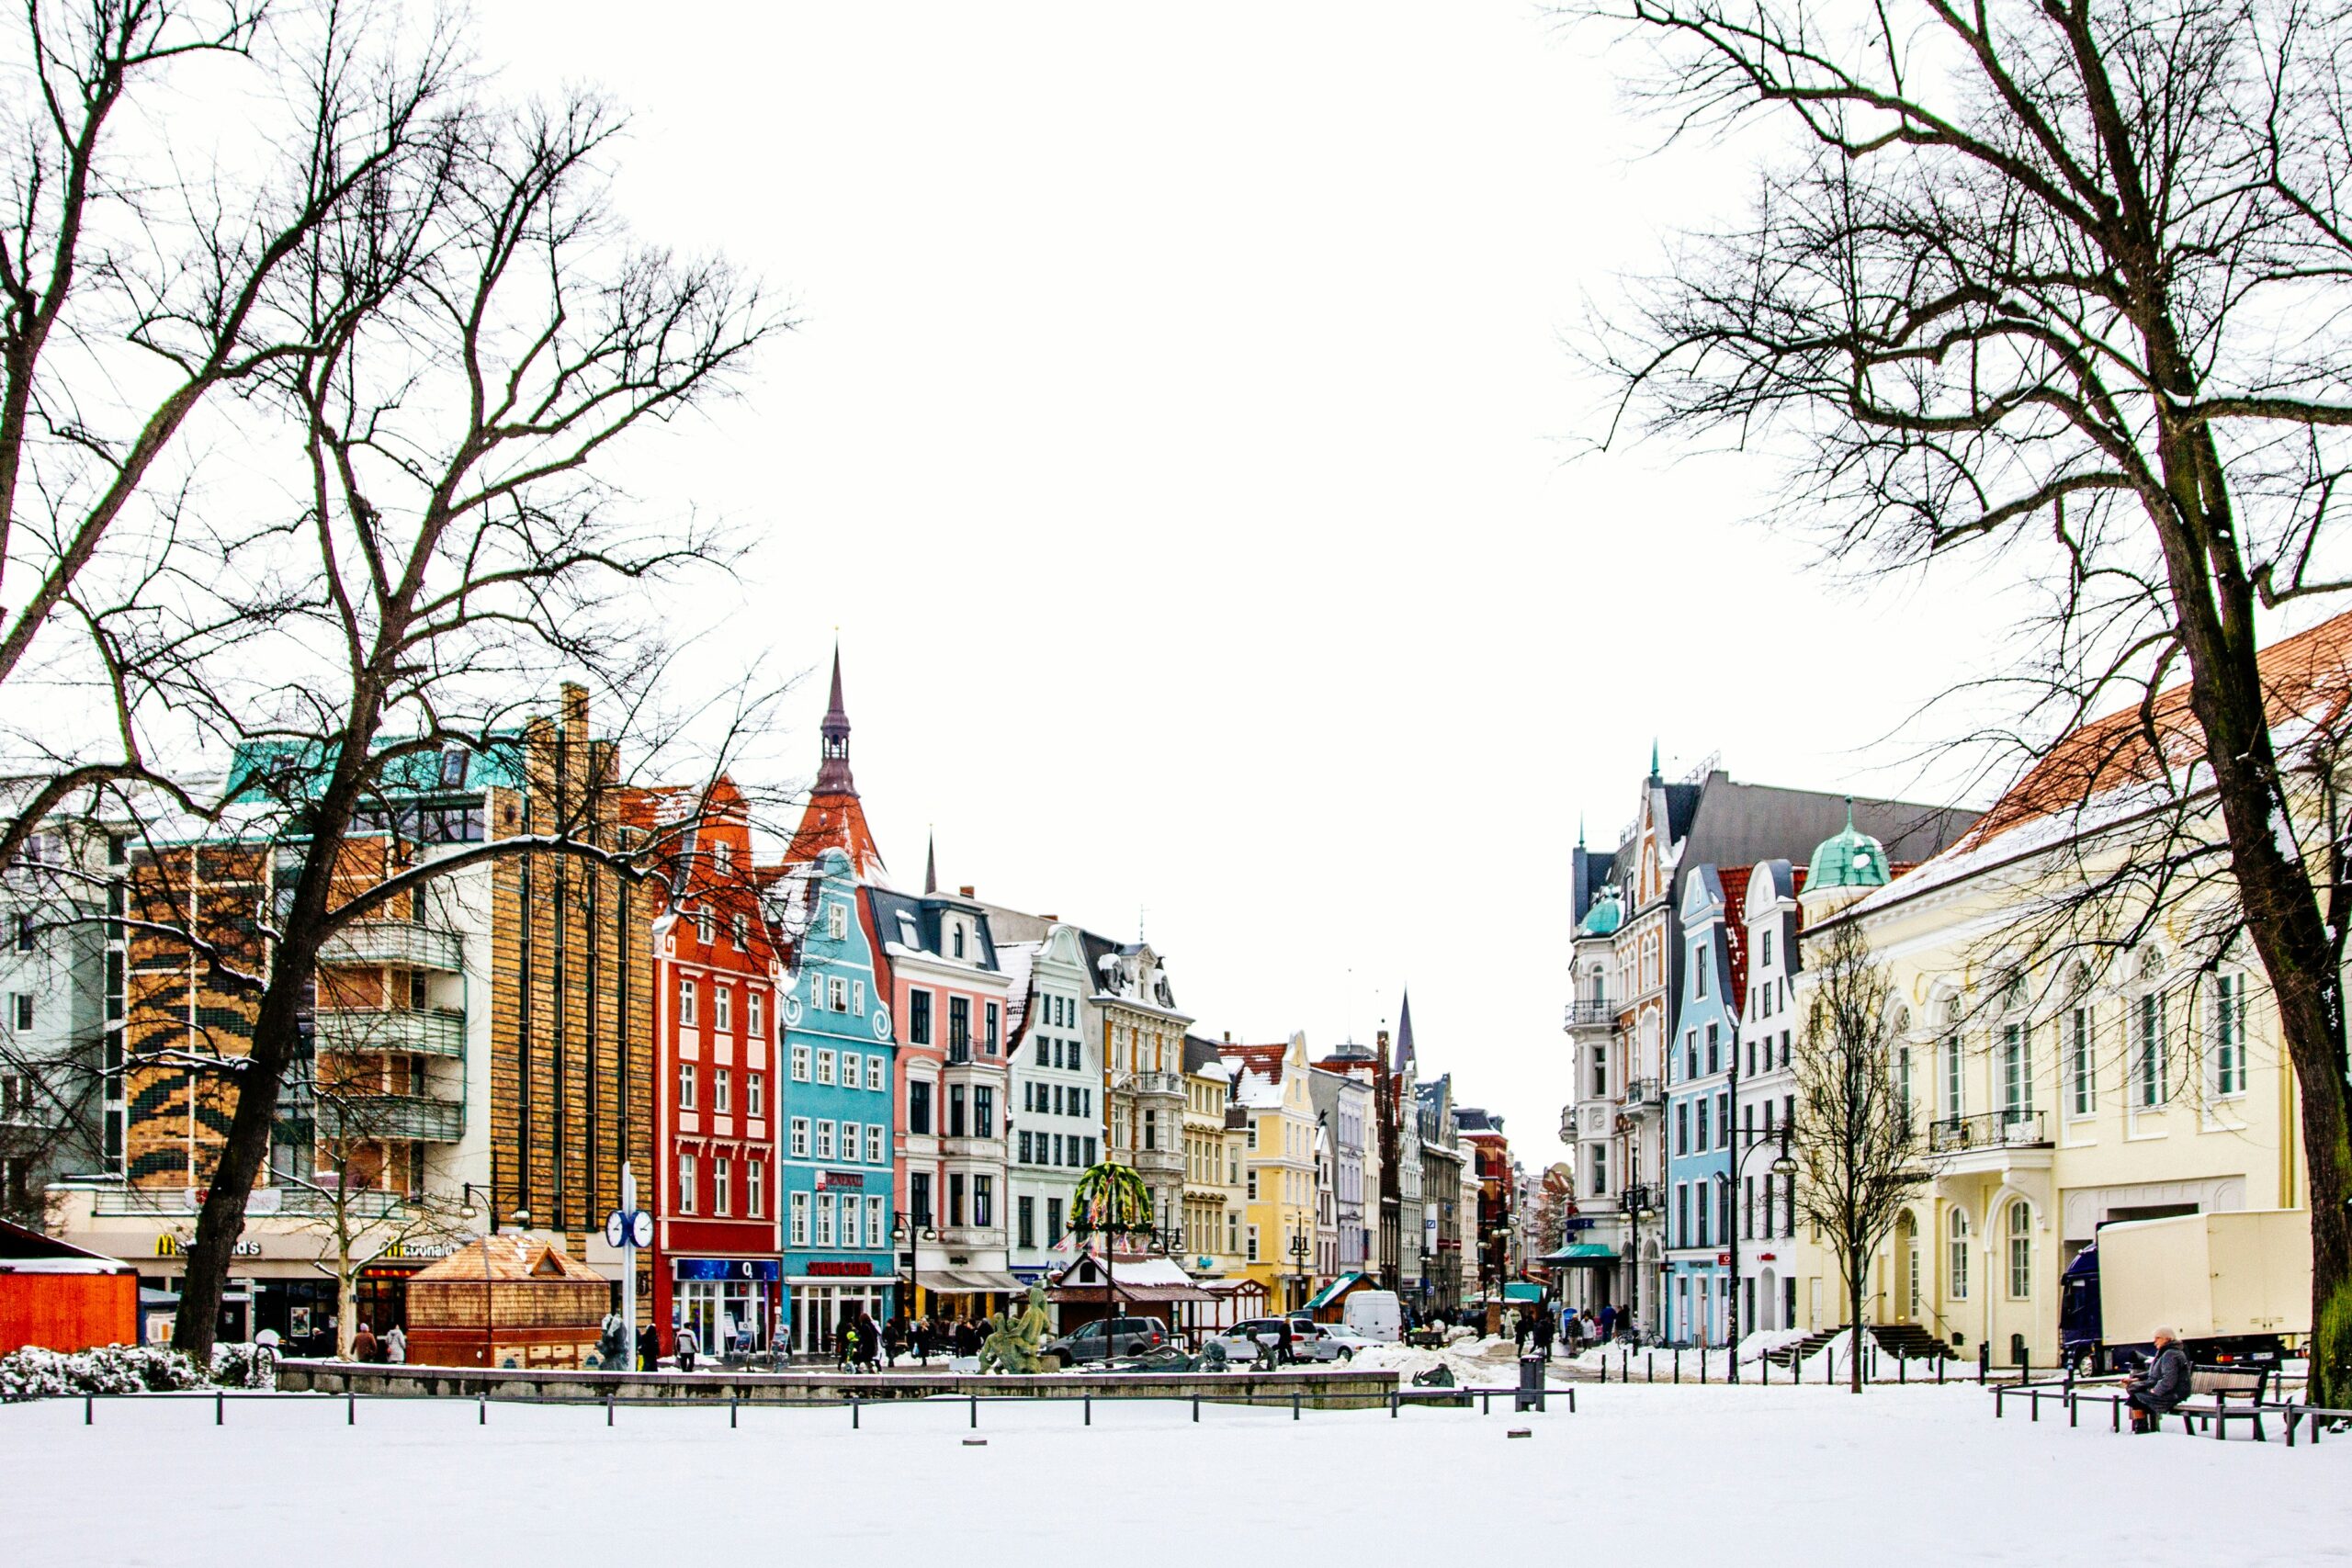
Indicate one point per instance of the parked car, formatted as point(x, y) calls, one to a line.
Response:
point(1377, 1315)
point(1108, 1339)
point(1326, 1342)
point(1243, 1340)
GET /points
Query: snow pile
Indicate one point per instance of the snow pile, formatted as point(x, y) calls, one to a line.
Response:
point(35, 1373)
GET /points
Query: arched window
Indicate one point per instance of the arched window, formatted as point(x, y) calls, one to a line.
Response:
point(2021, 1251)
point(1958, 1260)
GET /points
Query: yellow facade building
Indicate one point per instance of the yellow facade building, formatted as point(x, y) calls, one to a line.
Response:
point(1278, 1169)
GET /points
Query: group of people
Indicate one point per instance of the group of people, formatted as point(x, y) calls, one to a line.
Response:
point(392, 1346)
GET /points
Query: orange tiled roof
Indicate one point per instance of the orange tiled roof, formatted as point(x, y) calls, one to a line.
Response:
point(2306, 676)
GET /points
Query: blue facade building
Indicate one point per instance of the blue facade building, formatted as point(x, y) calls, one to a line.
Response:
point(1699, 1112)
point(838, 1140)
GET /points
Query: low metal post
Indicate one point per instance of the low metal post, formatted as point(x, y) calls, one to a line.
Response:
point(1984, 1363)
point(89, 1411)
point(732, 1406)
point(976, 1413)
point(350, 1408)
point(1572, 1402)
point(1090, 1410)
point(2034, 1401)
point(1939, 1367)
point(853, 1413)
point(1293, 1404)
point(1677, 1363)
point(1196, 1410)
point(2074, 1409)
point(1901, 1369)
point(608, 1410)
point(1394, 1399)
point(219, 1403)
point(1997, 1392)
point(482, 1414)
point(1649, 1366)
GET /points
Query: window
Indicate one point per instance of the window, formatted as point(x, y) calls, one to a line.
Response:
point(824, 1065)
point(1681, 1214)
point(824, 1140)
point(741, 927)
point(959, 1024)
point(836, 994)
point(1053, 1221)
point(1705, 1104)
point(2148, 1067)
point(722, 1089)
point(874, 1152)
point(1691, 1054)
point(1253, 1245)
point(836, 922)
point(687, 989)
point(849, 1141)
point(1723, 1120)
point(685, 1086)
point(800, 1218)
point(686, 1184)
point(799, 1145)
point(755, 1189)
point(2021, 1251)
point(954, 1198)
point(955, 938)
point(992, 1016)
point(755, 1094)
point(1714, 1049)
point(720, 1198)
point(917, 1018)
point(877, 1230)
point(1957, 1262)
point(755, 1008)
point(1253, 1187)
point(984, 1200)
point(826, 1208)
point(2017, 1073)
point(1027, 1152)
point(2229, 1034)
point(919, 1198)
point(857, 998)
point(722, 1007)
point(919, 1106)
point(1954, 1102)
point(955, 1111)
point(1045, 1052)
point(1699, 971)
point(1764, 949)
point(24, 930)
point(1682, 1127)
point(984, 1112)
point(849, 1221)
point(800, 1064)
point(706, 925)
point(1902, 1083)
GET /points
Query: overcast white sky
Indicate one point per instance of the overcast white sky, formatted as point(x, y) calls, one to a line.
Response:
point(1179, 432)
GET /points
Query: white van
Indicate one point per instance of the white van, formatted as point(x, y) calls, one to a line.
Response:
point(1374, 1314)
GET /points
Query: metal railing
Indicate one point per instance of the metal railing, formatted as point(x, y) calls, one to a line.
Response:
point(428, 1031)
point(1590, 1013)
point(1986, 1130)
point(424, 1117)
point(182, 1202)
point(1152, 1083)
point(397, 943)
point(1642, 1093)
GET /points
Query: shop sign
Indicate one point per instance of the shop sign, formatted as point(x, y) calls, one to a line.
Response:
point(419, 1250)
point(1581, 1222)
point(836, 1268)
point(727, 1268)
point(169, 1244)
point(828, 1178)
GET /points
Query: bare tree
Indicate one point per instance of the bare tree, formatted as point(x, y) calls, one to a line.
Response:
point(1860, 1157)
point(2064, 282)
point(486, 331)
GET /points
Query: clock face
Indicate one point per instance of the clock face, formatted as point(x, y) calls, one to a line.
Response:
point(613, 1228)
point(641, 1228)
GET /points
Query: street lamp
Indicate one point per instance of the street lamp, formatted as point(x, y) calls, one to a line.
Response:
point(1783, 1166)
point(1299, 1249)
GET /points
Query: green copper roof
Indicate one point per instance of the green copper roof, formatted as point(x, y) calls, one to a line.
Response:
point(1605, 916)
point(1851, 859)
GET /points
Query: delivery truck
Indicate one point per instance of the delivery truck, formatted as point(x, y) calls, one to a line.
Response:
point(2234, 1286)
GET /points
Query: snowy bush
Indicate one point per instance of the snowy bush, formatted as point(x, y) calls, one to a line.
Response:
point(244, 1365)
point(33, 1372)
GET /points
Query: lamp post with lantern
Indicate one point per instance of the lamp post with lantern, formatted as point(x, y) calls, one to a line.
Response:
point(1784, 1168)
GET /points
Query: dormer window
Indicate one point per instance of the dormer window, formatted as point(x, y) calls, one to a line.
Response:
point(957, 937)
point(454, 763)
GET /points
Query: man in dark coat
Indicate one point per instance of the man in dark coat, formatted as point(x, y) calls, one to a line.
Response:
point(1543, 1333)
point(2158, 1391)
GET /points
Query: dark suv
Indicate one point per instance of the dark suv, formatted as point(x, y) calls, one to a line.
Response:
point(1108, 1341)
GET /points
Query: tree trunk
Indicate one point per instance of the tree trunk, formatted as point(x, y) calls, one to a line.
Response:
point(1854, 1304)
point(346, 1308)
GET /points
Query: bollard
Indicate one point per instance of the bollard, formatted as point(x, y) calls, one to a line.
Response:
point(1293, 1404)
point(1090, 1410)
point(731, 1405)
point(217, 1399)
point(1677, 1363)
point(1939, 1367)
point(1997, 1391)
point(350, 1408)
point(1901, 1369)
point(1572, 1402)
point(976, 1413)
point(1649, 1367)
point(1984, 1362)
point(2074, 1409)
point(88, 1410)
point(853, 1413)
point(1196, 1410)
point(1394, 1399)
point(481, 1416)
point(608, 1410)
point(2033, 1402)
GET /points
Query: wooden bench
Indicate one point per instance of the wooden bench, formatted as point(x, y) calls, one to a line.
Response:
point(2217, 1396)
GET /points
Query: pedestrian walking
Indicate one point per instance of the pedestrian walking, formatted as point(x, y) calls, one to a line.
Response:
point(363, 1345)
point(1542, 1335)
point(967, 1337)
point(686, 1342)
point(869, 1341)
point(1520, 1328)
point(395, 1346)
point(1607, 1318)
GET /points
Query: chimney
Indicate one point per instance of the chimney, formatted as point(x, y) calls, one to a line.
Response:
point(1229, 1037)
point(575, 710)
point(1049, 920)
point(966, 890)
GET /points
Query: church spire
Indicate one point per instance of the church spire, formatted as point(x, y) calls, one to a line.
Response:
point(931, 863)
point(832, 769)
point(1655, 775)
point(1405, 1033)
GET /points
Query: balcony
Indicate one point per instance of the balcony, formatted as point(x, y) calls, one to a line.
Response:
point(428, 1031)
point(1639, 1198)
point(1156, 1162)
point(1168, 1083)
point(396, 944)
point(1993, 1141)
point(184, 1202)
point(1589, 1014)
point(959, 1147)
point(1642, 1094)
point(424, 1117)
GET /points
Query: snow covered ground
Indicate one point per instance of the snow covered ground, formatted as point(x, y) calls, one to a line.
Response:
point(1804, 1476)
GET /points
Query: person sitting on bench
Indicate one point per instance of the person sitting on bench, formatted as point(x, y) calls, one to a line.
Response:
point(2156, 1392)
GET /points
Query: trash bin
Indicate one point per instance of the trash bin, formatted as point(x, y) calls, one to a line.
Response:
point(1531, 1384)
